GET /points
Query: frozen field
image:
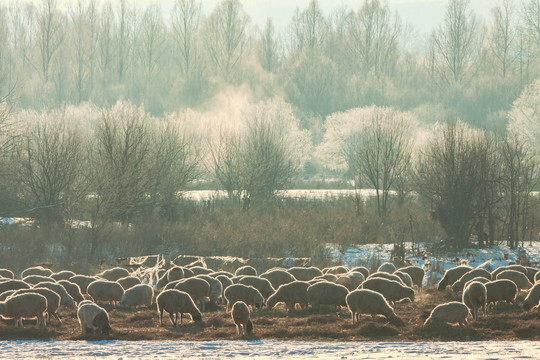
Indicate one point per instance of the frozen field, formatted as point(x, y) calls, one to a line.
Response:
point(267, 350)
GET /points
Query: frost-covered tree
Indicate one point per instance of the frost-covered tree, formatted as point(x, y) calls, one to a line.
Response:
point(524, 118)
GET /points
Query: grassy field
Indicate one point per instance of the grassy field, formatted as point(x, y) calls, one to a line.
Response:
point(503, 322)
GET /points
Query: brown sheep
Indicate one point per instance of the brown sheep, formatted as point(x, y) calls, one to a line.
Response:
point(417, 275)
point(82, 281)
point(372, 303)
point(291, 294)
point(458, 286)
point(327, 293)
point(501, 290)
point(392, 290)
point(174, 301)
point(72, 289)
point(452, 275)
point(24, 306)
point(241, 318)
point(113, 274)
point(103, 290)
point(128, 282)
point(475, 297)
point(53, 300)
point(519, 278)
point(247, 294)
point(197, 288)
point(278, 277)
point(452, 312)
point(138, 295)
point(263, 285)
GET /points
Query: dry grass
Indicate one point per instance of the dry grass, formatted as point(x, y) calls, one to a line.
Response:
point(504, 322)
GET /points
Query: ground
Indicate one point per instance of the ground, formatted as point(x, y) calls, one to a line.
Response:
point(504, 322)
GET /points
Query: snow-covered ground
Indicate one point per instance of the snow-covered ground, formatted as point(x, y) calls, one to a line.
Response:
point(267, 350)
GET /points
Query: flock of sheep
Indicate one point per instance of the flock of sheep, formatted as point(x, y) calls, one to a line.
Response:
point(186, 290)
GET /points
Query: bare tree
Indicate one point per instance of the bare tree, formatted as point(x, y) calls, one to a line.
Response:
point(502, 37)
point(186, 23)
point(268, 47)
point(50, 34)
point(308, 29)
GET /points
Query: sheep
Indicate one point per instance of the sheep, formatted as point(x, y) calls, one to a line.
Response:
point(501, 290)
point(246, 270)
point(500, 269)
point(531, 273)
point(327, 277)
point(199, 270)
point(458, 286)
point(162, 281)
point(8, 274)
point(93, 316)
point(533, 297)
point(387, 267)
point(13, 285)
point(216, 288)
point(104, 290)
point(278, 277)
point(482, 280)
point(73, 290)
point(65, 298)
point(188, 273)
point(172, 285)
point(113, 274)
point(174, 301)
point(24, 306)
point(536, 277)
point(36, 270)
point(305, 273)
point(336, 270)
point(417, 275)
point(475, 296)
point(62, 275)
point(197, 288)
point(53, 300)
point(225, 281)
point(518, 277)
point(351, 280)
point(327, 293)
point(245, 293)
point(387, 276)
point(138, 295)
point(128, 282)
point(406, 279)
point(364, 301)
point(391, 290)
point(241, 318)
point(82, 281)
point(361, 269)
point(263, 285)
point(175, 273)
point(452, 275)
point(291, 294)
point(451, 312)
point(6, 294)
point(36, 279)
point(215, 274)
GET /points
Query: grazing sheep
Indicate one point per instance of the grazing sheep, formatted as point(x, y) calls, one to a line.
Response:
point(451, 312)
point(241, 318)
point(246, 270)
point(452, 275)
point(174, 301)
point(531, 273)
point(188, 273)
point(327, 277)
point(175, 273)
point(53, 300)
point(417, 275)
point(162, 281)
point(316, 280)
point(6, 294)
point(458, 286)
point(104, 290)
point(361, 269)
point(24, 306)
point(128, 282)
point(482, 280)
point(327, 293)
point(113, 274)
point(263, 285)
point(500, 269)
point(387, 267)
point(138, 295)
point(36, 279)
point(372, 303)
point(225, 281)
point(197, 288)
point(305, 273)
point(501, 290)
point(199, 270)
point(8, 274)
point(36, 270)
point(13, 285)
point(336, 270)
point(391, 290)
point(351, 280)
point(387, 276)
point(93, 316)
point(65, 298)
point(533, 297)
point(291, 294)
point(278, 277)
point(62, 275)
point(172, 285)
point(475, 297)
point(221, 272)
point(83, 281)
point(406, 279)
point(517, 277)
point(245, 293)
point(216, 288)
point(73, 290)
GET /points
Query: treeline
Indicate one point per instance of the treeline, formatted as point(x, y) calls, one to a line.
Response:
point(320, 63)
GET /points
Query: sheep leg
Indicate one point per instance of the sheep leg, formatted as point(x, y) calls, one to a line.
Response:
point(181, 318)
point(237, 329)
point(352, 316)
point(373, 317)
point(171, 316)
point(466, 323)
point(484, 308)
point(55, 315)
point(161, 316)
point(203, 304)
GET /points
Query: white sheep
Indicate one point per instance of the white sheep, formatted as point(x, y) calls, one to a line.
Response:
point(533, 297)
point(451, 312)
point(327, 293)
point(305, 273)
point(278, 277)
point(174, 301)
point(475, 297)
point(82, 281)
point(113, 274)
point(103, 290)
point(406, 279)
point(53, 300)
point(128, 282)
point(197, 288)
point(392, 290)
point(452, 275)
point(263, 285)
point(363, 301)
point(138, 295)
point(245, 270)
point(417, 275)
point(514, 267)
point(501, 290)
point(351, 280)
point(459, 285)
point(387, 276)
point(241, 318)
point(216, 288)
point(387, 267)
point(518, 277)
point(65, 298)
point(92, 316)
point(291, 294)
point(72, 289)
point(24, 306)
point(245, 293)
